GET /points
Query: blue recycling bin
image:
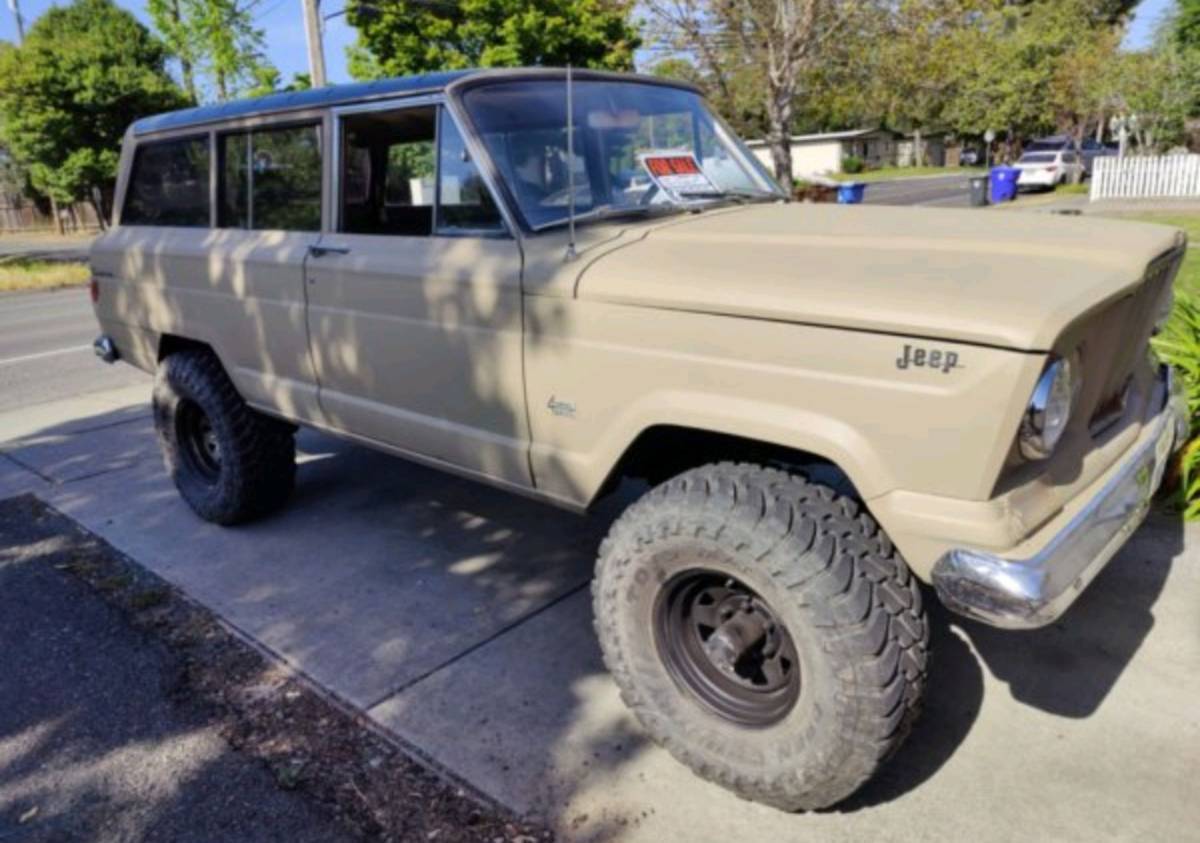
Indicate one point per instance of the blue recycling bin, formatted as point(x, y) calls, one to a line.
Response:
point(851, 193)
point(1003, 183)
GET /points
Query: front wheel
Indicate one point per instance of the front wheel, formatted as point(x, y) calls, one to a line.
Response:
point(230, 463)
point(764, 630)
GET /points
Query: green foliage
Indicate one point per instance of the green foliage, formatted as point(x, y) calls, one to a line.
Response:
point(216, 40)
point(852, 164)
point(1179, 345)
point(1186, 26)
point(83, 74)
point(402, 37)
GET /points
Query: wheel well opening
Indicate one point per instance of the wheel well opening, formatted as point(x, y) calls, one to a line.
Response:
point(661, 452)
point(169, 344)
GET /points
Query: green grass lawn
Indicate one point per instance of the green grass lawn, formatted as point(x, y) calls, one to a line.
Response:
point(23, 274)
point(889, 173)
point(1189, 273)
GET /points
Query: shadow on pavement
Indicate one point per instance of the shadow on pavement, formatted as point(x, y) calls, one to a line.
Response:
point(1069, 667)
point(459, 616)
point(94, 742)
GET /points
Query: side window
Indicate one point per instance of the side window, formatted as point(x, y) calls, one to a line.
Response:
point(169, 184)
point(388, 172)
point(464, 203)
point(271, 179)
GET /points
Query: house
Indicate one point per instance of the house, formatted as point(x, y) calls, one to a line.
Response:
point(934, 145)
point(823, 153)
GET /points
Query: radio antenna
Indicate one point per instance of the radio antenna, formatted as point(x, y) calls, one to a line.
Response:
point(570, 168)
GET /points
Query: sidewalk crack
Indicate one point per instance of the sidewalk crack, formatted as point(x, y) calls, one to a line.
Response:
point(399, 689)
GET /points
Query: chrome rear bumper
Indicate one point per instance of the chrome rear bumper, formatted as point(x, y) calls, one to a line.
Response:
point(1032, 592)
point(105, 349)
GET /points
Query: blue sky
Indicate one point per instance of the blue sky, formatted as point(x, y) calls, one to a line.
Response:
point(281, 21)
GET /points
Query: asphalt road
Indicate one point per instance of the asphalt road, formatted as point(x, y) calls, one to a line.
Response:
point(45, 349)
point(939, 191)
point(95, 742)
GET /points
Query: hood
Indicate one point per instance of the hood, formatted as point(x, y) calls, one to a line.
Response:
point(998, 278)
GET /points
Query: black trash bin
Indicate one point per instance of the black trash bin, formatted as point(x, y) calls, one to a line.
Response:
point(979, 191)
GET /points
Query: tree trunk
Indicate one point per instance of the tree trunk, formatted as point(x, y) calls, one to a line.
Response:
point(918, 149)
point(189, 79)
point(185, 64)
point(58, 224)
point(779, 136)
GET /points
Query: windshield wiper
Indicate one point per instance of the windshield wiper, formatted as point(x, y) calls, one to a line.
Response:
point(738, 195)
point(608, 212)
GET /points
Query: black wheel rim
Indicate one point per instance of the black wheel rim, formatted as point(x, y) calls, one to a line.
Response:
point(198, 443)
point(725, 645)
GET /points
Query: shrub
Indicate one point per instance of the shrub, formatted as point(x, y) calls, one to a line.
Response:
point(1179, 345)
point(853, 164)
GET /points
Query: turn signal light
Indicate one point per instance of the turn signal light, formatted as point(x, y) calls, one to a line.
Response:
point(94, 290)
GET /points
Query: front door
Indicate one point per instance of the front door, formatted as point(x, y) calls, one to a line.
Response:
point(414, 298)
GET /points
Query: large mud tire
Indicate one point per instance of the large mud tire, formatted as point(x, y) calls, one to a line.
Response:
point(833, 581)
point(229, 462)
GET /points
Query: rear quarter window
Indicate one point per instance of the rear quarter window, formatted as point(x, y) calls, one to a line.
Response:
point(168, 184)
point(271, 179)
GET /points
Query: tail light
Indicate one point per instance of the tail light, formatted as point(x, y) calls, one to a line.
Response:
point(94, 290)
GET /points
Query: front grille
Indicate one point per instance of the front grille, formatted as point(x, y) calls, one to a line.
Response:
point(1116, 340)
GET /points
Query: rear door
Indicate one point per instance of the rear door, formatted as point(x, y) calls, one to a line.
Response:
point(414, 297)
point(268, 216)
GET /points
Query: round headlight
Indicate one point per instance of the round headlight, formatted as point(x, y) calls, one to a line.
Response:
point(1048, 411)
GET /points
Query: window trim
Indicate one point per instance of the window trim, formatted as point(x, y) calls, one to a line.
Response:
point(317, 124)
point(440, 103)
point(138, 147)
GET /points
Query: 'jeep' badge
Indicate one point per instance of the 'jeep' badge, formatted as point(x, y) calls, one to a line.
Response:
point(928, 358)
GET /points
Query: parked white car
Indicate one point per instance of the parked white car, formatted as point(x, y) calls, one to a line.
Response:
point(1048, 169)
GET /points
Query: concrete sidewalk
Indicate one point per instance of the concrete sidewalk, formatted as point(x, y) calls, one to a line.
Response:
point(459, 618)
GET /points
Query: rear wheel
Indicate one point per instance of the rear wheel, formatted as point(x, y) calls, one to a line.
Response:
point(764, 630)
point(230, 463)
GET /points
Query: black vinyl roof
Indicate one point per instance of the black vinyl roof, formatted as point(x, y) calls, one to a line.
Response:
point(292, 100)
point(430, 83)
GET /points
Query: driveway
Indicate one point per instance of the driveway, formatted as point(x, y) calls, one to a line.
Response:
point(458, 619)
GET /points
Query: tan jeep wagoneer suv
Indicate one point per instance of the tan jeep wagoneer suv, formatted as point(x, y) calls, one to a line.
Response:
point(832, 404)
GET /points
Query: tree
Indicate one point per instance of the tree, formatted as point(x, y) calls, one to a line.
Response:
point(1023, 69)
point(401, 37)
point(781, 38)
point(918, 60)
point(83, 74)
point(1187, 25)
point(178, 33)
point(216, 39)
point(1160, 87)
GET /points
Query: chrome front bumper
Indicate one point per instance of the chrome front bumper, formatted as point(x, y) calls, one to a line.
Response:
point(1032, 592)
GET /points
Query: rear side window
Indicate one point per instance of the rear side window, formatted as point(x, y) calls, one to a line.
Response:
point(271, 179)
point(169, 184)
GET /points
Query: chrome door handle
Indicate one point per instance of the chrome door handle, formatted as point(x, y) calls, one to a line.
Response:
point(321, 251)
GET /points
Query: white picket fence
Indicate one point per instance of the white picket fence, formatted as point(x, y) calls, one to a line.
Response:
point(1146, 177)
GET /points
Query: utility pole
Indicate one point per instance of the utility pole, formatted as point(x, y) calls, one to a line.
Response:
point(16, 10)
point(316, 46)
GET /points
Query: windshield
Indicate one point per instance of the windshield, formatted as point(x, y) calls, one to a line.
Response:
point(1038, 158)
point(523, 126)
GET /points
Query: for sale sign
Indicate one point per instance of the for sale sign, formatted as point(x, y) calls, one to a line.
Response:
point(678, 175)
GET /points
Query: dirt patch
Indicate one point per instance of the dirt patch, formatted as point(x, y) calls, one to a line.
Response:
point(313, 744)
